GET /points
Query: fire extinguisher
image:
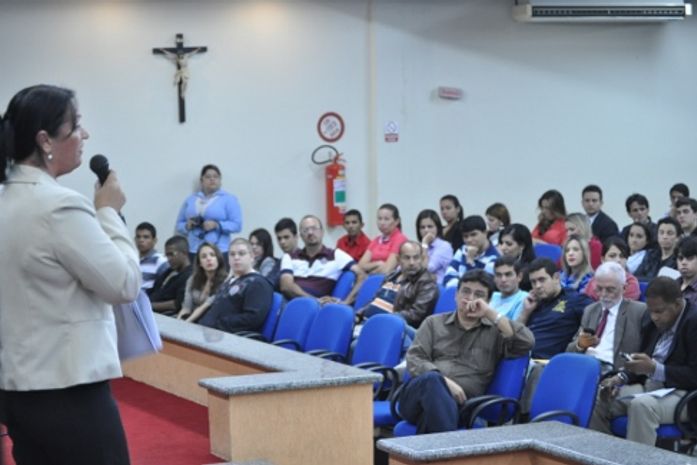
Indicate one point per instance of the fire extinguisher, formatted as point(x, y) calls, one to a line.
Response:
point(335, 184)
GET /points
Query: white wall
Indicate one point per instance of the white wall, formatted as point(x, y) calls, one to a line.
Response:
point(545, 105)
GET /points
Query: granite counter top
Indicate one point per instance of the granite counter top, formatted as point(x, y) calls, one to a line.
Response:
point(552, 438)
point(287, 369)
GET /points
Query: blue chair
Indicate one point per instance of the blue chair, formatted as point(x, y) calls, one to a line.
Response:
point(498, 405)
point(379, 347)
point(642, 287)
point(446, 300)
point(677, 431)
point(551, 251)
point(370, 286)
point(267, 331)
point(330, 333)
point(344, 285)
point(295, 322)
point(566, 390)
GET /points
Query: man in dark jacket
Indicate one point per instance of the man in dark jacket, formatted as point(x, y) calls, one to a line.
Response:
point(668, 359)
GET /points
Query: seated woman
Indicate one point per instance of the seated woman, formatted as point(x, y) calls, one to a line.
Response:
point(381, 256)
point(615, 249)
point(497, 218)
point(211, 214)
point(550, 228)
point(640, 241)
point(669, 232)
point(438, 251)
point(209, 273)
point(576, 268)
point(515, 241)
point(264, 262)
point(578, 224)
point(452, 214)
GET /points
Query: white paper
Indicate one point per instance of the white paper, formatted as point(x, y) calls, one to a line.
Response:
point(658, 394)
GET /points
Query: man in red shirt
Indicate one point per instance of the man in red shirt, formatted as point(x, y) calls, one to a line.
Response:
point(354, 242)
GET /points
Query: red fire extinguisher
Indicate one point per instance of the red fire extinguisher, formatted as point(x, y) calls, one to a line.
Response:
point(335, 185)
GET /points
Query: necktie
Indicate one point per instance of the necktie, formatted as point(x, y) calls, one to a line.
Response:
point(601, 324)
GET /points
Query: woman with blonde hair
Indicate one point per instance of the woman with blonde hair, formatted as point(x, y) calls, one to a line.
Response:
point(578, 224)
point(576, 268)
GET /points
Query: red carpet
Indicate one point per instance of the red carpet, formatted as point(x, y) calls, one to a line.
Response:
point(162, 429)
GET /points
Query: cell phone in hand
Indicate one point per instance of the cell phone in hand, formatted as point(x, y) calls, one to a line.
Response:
point(590, 331)
point(627, 357)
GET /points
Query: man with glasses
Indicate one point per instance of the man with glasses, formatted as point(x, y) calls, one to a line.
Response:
point(454, 355)
point(612, 325)
point(313, 270)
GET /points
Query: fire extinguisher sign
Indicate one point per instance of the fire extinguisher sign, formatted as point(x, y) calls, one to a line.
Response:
point(330, 126)
point(340, 193)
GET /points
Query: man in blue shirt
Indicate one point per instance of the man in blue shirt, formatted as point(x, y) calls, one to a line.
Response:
point(509, 298)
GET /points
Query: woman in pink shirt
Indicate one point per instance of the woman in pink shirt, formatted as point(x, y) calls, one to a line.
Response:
point(381, 256)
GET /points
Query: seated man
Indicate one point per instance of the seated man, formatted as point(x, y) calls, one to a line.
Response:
point(152, 263)
point(667, 359)
point(167, 294)
point(244, 299)
point(687, 266)
point(509, 298)
point(410, 292)
point(477, 253)
point(314, 270)
point(553, 314)
point(354, 242)
point(286, 235)
point(686, 211)
point(454, 355)
point(602, 225)
point(613, 324)
point(637, 206)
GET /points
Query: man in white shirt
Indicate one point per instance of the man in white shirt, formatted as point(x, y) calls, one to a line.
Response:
point(612, 325)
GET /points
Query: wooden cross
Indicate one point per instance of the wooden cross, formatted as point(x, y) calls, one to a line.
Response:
point(181, 55)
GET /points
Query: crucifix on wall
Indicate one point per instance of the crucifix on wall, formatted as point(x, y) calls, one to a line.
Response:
point(180, 55)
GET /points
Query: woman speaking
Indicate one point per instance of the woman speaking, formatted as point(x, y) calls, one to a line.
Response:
point(65, 261)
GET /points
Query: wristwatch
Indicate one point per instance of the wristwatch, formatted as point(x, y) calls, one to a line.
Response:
point(498, 318)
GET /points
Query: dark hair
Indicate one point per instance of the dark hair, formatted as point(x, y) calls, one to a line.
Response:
point(616, 241)
point(456, 202)
point(592, 188)
point(431, 215)
point(665, 288)
point(687, 201)
point(680, 187)
point(521, 235)
point(354, 212)
point(198, 278)
point(650, 240)
point(687, 247)
point(179, 243)
point(210, 167)
point(670, 220)
point(394, 210)
point(286, 223)
point(556, 204)
point(31, 110)
point(508, 261)
point(481, 277)
point(638, 198)
point(264, 238)
point(473, 223)
point(145, 226)
point(542, 263)
point(500, 212)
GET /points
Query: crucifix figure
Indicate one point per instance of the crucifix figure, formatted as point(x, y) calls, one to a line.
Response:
point(180, 55)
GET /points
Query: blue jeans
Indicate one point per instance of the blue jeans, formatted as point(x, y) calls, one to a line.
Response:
point(426, 402)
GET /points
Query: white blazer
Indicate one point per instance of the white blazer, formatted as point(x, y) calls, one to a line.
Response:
point(62, 265)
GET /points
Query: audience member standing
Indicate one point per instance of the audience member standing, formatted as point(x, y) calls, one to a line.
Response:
point(550, 228)
point(211, 214)
point(381, 256)
point(452, 213)
point(65, 261)
point(602, 225)
point(439, 252)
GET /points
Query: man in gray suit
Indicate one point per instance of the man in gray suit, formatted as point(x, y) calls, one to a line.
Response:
point(612, 325)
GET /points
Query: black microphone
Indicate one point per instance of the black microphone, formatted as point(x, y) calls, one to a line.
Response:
point(100, 166)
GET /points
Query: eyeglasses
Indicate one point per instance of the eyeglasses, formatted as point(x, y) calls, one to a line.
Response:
point(310, 229)
point(467, 292)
